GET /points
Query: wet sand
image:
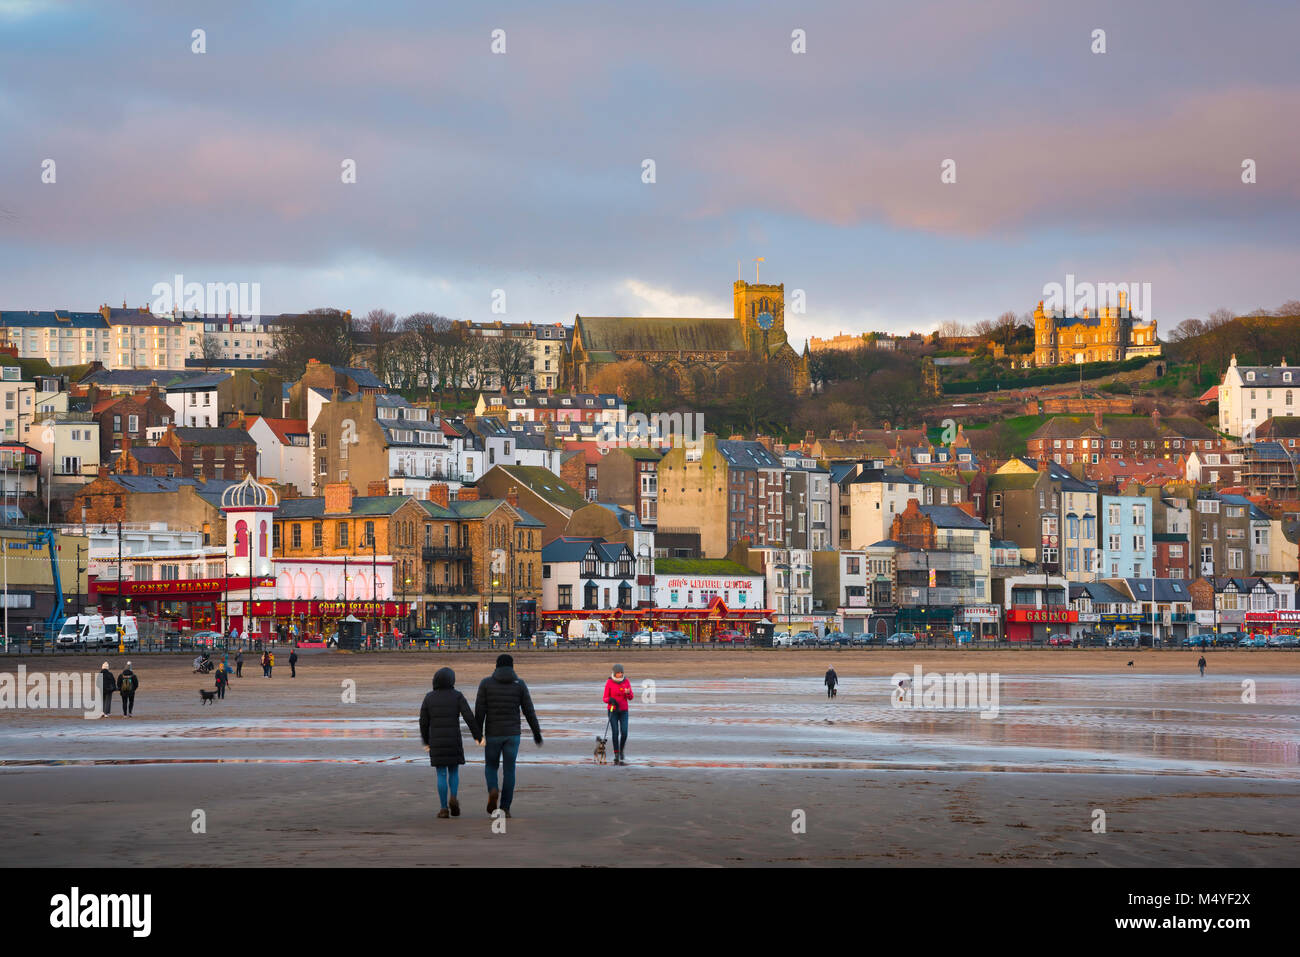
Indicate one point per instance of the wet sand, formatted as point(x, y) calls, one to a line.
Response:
point(734, 744)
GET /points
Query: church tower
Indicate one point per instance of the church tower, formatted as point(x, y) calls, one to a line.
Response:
point(753, 302)
point(1044, 336)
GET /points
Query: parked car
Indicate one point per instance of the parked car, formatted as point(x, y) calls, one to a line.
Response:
point(861, 639)
point(901, 639)
point(782, 639)
point(547, 639)
point(729, 637)
point(206, 639)
point(676, 638)
point(837, 638)
point(805, 638)
point(1124, 639)
point(1283, 641)
point(648, 638)
point(1060, 641)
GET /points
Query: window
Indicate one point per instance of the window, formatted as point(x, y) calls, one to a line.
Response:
point(317, 535)
point(133, 423)
point(369, 539)
point(296, 535)
point(342, 537)
point(566, 597)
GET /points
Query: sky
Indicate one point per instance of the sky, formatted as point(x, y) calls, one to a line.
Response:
point(523, 171)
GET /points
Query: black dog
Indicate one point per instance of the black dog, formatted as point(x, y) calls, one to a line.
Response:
point(207, 697)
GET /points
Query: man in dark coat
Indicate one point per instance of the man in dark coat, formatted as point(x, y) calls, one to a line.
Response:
point(440, 716)
point(1201, 664)
point(496, 709)
point(127, 683)
point(832, 680)
point(293, 663)
point(107, 685)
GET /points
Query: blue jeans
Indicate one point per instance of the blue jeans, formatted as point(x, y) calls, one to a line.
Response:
point(496, 748)
point(618, 722)
point(447, 776)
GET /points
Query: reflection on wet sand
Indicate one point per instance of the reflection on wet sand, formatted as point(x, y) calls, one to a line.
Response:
point(1055, 724)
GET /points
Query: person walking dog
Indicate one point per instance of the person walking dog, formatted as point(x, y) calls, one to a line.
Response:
point(832, 682)
point(618, 695)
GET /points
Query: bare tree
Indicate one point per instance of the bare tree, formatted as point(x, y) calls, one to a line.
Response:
point(210, 351)
point(321, 334)
point(380, 330)
point(1006, 326)
point(511, 358)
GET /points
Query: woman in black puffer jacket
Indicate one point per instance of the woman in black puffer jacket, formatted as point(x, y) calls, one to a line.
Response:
point(440, 716)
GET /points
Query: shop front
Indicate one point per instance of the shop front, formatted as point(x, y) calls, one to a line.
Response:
point(450, 620)
point(319, 619)
point(1109, 623)
point(1038, 624)
point(699, 624)
point(980, 620)
point(198, 604)
point(927, 623)
point(1273, 623)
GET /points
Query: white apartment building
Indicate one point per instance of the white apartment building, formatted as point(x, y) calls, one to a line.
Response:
point(1249, 395)
point(17, 404)
point(876, 496)
point(60, 337)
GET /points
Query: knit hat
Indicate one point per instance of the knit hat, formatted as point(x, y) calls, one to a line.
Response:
point(618, 670)
point(505, 661)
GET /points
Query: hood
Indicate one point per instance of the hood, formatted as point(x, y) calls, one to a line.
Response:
point(444, 678)
point(505, 674)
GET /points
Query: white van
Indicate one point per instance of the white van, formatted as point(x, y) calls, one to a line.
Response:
point(81, 632)
point(130, 633)
point(586, 630)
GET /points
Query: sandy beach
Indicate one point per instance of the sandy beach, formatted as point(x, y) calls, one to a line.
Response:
point(731, 751)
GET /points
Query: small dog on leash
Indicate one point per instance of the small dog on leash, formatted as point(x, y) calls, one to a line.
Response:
point(1130, 664)
point(599, 753)
point(207, 697)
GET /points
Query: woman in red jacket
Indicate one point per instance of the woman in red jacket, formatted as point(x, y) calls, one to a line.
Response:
point(618, 693)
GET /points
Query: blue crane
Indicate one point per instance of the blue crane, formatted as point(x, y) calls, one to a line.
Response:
point(46, 536)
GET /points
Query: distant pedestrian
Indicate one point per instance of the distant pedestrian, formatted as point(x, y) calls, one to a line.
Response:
point(266, 664)
point(107, 685)
point(270, 662)
point(293, 663)
point(1201, 664)
point(234, 635)
point(243, 638)
point(832, 682)
point(239, 664)
point(618, 694)
point(501, 696)
point(440, 718)
point(223, 679)
point(127, 682)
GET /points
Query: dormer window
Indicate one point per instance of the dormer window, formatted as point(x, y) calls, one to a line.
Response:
point(1250, 377)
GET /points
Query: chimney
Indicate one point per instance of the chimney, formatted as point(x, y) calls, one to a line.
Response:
point(377, 489)
point(338, 497)
point(1042, 464)
point(467, 493)
point(512, 497)
point(439, 494)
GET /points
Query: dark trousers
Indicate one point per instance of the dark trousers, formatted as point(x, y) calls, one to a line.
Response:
point(495, 749)
point(293, 669)
point(618, 726)
point(128, 702)
point(221, 689)
point(830, 691)
point(108, 702)
point(239, 669)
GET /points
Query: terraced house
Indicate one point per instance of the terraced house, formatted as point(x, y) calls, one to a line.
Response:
point(1067, 439)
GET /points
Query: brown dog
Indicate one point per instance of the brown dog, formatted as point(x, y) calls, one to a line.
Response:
point(599, 753)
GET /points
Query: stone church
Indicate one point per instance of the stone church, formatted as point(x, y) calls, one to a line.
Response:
point(698, 357)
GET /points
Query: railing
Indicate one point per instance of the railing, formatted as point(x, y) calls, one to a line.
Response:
point(431, 553)
point(454, 589)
